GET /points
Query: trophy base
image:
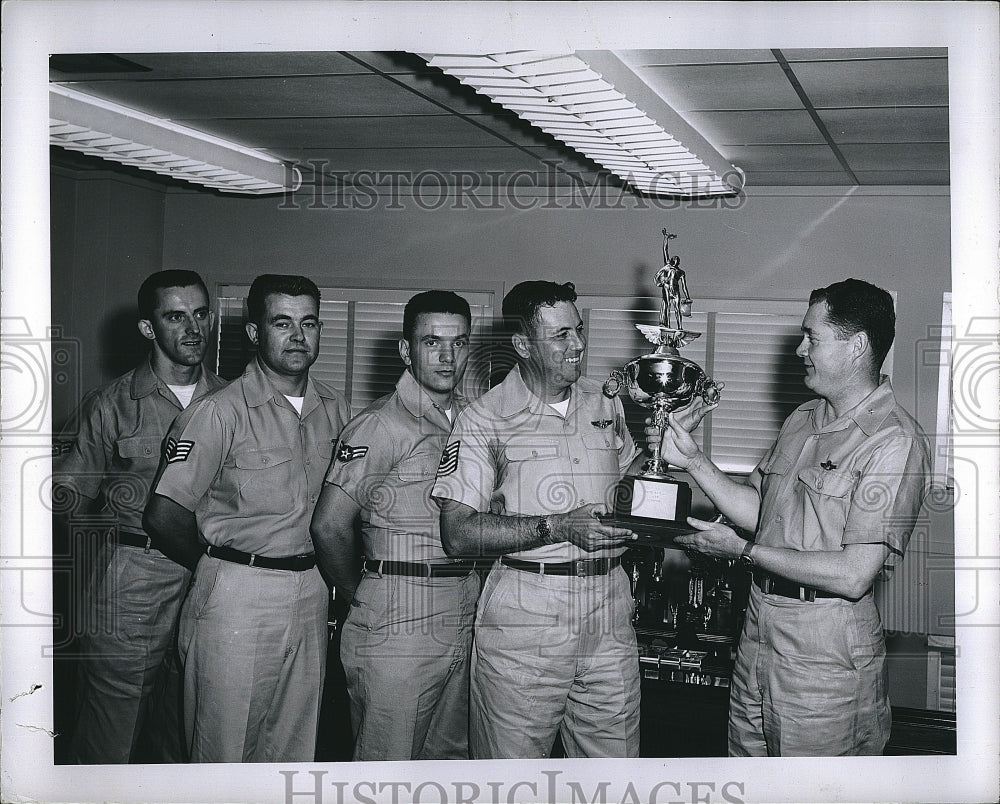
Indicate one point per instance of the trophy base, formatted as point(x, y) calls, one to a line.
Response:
point(651, 532)
point(653, 507)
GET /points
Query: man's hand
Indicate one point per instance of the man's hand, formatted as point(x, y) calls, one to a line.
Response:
point(677, 447)
point(584, 529)
point(690, 416)
point(713, 539)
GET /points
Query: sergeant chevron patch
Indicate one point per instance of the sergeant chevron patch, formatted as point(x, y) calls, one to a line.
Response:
point(177, 450)
point(449, 459)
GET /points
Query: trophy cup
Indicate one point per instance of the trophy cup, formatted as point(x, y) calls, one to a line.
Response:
point(653, 504)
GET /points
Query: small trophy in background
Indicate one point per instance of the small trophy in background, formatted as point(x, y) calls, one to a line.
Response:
point(653, 504)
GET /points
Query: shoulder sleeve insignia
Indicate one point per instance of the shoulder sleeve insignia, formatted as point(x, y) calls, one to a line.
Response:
point(348, 453)
point(61, 447)
point(449, 459)
point(177, 450)
point(603, 424)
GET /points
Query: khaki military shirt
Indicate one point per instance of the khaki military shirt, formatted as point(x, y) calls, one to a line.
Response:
point(250, 467)
point(120, 428)
point(386, 462)
point(856, 479)
point(511, 453)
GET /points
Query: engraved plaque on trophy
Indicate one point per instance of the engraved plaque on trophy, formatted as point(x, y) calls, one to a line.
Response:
point(652, 504)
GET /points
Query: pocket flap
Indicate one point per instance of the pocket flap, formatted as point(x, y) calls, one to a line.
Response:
point(139, 447)
point(531, 450)
point(262, 458)
point(602, 440)
point(418, 467)
point(824, 481)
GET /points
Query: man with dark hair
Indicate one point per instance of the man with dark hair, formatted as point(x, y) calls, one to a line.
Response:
point(528, 468)
point(129, 681)
point(833, 504)
point(238, 483)
point(406, 639)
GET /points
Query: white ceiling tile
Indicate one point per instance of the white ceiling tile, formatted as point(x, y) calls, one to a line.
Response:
point(892, 124)
point(727, 86)
point(877, 82)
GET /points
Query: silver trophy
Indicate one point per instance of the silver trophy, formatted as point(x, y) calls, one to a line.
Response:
point(653, 504)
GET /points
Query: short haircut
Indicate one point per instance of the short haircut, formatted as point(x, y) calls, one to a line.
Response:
point(433, 301)
point(161, 280)
point(520, 305)
point(856, 306)
point(268, 284)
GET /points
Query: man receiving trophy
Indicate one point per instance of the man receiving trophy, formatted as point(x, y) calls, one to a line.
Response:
point(653, 504)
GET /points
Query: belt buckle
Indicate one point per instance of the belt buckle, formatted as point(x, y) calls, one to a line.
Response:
point(807, 594)
point(766, 583)
point(580, 567)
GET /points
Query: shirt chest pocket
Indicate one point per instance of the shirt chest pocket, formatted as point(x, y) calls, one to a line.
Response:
point(139, 448)
point(416, 468)
point(827, 483)
point(265, 481)
point(531, 450)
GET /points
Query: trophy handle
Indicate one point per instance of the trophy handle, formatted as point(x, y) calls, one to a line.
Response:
point(613, 384)
point(710, 390)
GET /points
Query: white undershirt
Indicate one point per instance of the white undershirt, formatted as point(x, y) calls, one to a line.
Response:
point(183, 393)
point(296, 402)
point(448, 413)
point(560, 407)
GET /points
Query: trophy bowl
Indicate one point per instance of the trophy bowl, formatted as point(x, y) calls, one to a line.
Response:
point(667, 382)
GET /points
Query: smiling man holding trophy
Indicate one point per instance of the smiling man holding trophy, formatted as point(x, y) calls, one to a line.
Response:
point(653, 504)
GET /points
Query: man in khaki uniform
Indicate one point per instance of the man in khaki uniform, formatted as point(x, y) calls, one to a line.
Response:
point(128, 676)
point(405, 642)
point(528, 467)
point(832, 503)
point(241, 476)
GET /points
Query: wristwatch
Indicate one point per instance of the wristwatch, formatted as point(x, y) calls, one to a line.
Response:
point(543, 530)
point(745, 558)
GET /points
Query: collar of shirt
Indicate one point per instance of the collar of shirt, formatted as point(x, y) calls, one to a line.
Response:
point(419, 404)
point(145, 382)
point(868, 414)
point(257, 390)
point(516, 396)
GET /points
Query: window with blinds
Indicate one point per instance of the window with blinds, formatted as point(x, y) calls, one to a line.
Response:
point(749, 346)
point(359, 352)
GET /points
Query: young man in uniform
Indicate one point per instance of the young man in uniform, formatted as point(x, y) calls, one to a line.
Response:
point(405, 643)
point(241, 475)
point(832, 503)
point(527, 469)
point(129, 684)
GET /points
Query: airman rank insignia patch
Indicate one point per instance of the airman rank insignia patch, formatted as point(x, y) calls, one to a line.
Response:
point(603, 424)
point(449, 459)
point(177, 450)
point(348, 453)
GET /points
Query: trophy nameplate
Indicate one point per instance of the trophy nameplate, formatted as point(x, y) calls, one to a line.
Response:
point(652, 504)
point(654, 508)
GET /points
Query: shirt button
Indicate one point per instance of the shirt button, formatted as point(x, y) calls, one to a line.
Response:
point(576, 460)
point(148, 451)
point(265, 459)
point(819, 483)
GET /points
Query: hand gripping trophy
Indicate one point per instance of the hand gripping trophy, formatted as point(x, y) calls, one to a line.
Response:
point(653, 504)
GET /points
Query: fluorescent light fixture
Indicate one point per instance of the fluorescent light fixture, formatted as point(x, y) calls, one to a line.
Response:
point(595, 103)
point(98, 127)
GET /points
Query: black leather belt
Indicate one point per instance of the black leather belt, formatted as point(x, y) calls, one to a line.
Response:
point(582, 567)
point(424, 569)
point(134, 540)
point(770, 585)
point(299, 563)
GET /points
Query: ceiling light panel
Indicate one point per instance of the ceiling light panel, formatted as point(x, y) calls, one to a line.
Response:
point(97, 127)
point(597, 105)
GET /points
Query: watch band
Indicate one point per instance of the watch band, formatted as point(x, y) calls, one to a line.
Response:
point(543, 530)
point(745, 558)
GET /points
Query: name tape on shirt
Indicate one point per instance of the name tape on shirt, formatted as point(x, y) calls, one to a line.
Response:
point(449, 459)
point(178, 450)
point(348, 453)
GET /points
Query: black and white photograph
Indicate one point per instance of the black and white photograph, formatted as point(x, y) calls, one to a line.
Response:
point(500, 402)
